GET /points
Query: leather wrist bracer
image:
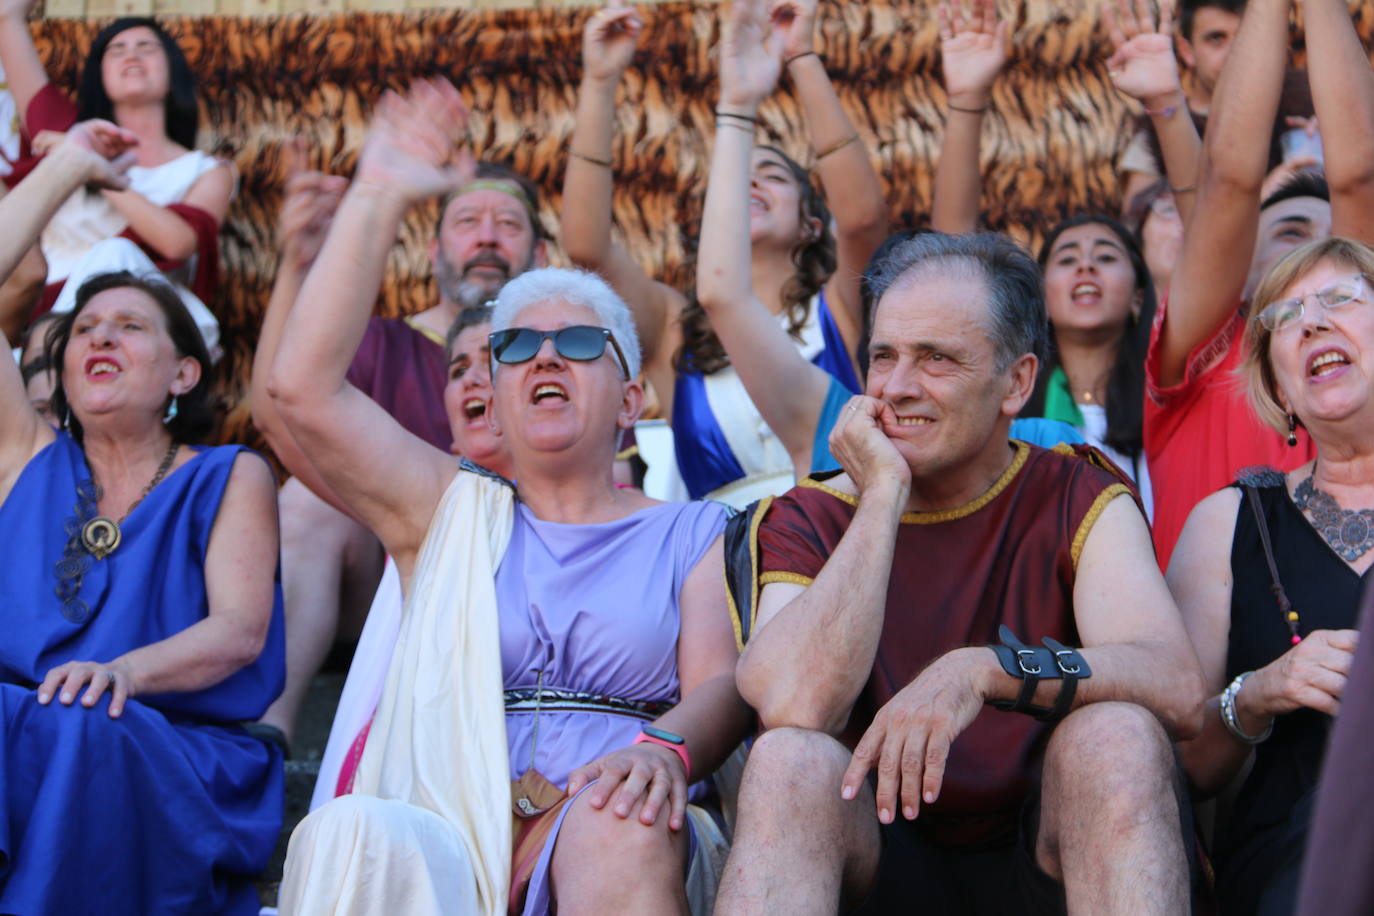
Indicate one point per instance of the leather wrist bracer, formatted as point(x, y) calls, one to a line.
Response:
point(1033, 664)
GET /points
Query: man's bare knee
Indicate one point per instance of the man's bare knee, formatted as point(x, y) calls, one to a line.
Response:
point(1109, 770)
point(802, 766)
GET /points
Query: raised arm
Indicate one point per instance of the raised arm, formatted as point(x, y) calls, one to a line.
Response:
point(23, 68)
point(307, 210)
point(240, 580)
point(608, 46)
point(1219, 242)
point(93, 152)
point(973, 50)
point(1342, 83)
point(1144, 67)
point(787, 389)
point(388, 478)
point(852, 189)
point(813, 646)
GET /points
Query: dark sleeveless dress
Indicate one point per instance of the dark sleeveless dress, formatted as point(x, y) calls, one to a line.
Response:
point(1260, 855)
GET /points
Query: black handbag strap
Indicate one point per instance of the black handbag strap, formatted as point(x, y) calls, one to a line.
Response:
point(1275, 585)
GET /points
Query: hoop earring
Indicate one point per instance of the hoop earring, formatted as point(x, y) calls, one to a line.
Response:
point(171, 412)
point(1292, 430)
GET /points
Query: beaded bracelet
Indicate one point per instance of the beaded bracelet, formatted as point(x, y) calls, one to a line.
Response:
point(1231, 719)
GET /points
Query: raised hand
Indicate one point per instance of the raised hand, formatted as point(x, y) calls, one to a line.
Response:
point(106, 151)
point(415, 146)
point(640, 778)
point(1312, 674)
point(973, 49)
point(864, 451)
point(750, 55)
point(1143, 65)
point(609, 40)
point(307, 208)
point(910, 737)
point(796, 19)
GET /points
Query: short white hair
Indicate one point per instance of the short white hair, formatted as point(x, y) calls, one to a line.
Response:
point(575, 287)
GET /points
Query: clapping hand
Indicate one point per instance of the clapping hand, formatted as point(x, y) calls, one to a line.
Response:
point(609, 40)
point(105, 151)
point(1143, 65)
point(415, 148)
point(750, 55)
point(307, 208)
point(973, 50)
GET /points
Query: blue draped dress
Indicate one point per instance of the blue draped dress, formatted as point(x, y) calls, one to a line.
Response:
point(171, 808)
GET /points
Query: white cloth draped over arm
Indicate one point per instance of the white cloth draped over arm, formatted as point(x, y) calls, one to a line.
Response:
point(437, 744)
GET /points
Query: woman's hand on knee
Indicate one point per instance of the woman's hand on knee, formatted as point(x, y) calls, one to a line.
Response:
point(65, 681)
point(638, 778)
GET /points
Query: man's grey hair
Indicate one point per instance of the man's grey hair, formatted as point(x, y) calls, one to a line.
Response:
point(574, 287)
point(1016, 291)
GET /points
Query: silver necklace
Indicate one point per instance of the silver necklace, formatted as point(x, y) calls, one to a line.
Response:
point(1350, 532)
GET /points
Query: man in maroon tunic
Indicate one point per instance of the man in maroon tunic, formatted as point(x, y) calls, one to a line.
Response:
point(865, 617)
point(488, 233)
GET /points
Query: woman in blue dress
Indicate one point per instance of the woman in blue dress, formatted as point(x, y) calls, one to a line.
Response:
point(140, 607)
point(804, 273)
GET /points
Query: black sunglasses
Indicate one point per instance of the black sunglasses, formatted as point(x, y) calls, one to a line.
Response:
point(581, 342)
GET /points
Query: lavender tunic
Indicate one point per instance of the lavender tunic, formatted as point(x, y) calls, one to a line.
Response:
point(594, 608)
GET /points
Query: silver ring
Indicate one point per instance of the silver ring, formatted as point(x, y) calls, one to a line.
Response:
point(110, 675)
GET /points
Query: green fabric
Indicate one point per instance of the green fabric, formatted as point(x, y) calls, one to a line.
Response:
point(1059, 402)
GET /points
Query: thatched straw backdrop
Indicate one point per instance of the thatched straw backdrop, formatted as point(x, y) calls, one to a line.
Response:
point(1048, 147)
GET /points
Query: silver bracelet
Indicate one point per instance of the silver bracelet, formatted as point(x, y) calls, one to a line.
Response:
point(1228, 712)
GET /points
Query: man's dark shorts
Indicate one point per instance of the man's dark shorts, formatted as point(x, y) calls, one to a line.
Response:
point(1001, 879)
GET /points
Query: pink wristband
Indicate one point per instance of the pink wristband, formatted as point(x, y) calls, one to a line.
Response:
point(679, 749)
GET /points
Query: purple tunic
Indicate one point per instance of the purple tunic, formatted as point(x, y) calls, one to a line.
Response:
point(595, 608)
point(403, 370)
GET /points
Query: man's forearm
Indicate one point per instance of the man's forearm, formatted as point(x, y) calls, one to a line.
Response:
point(26, 209)
point(806, 666)
point(1156, 676)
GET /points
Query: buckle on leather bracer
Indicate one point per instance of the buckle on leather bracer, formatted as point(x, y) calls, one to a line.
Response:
point(1031, 665)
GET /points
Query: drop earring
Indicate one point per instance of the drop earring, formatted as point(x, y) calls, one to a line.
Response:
point(171, 411)
point(1292, 430)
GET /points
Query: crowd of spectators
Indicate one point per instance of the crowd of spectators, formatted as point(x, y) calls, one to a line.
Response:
point(996, 569)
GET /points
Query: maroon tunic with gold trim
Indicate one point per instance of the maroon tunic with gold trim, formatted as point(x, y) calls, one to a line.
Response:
point(1010, 557)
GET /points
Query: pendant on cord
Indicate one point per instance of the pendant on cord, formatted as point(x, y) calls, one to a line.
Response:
point(100, 536)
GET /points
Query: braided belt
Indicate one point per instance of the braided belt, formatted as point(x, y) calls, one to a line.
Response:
point(553, 699)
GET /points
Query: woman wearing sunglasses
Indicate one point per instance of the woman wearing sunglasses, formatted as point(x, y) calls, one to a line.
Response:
point(1268, 572)
point(564, 668)
point(801, 268)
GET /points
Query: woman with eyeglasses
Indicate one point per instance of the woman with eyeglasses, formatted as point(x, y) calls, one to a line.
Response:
point(564, 671)
point(1268, 572)
point(169, 217)
point(802, 266)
